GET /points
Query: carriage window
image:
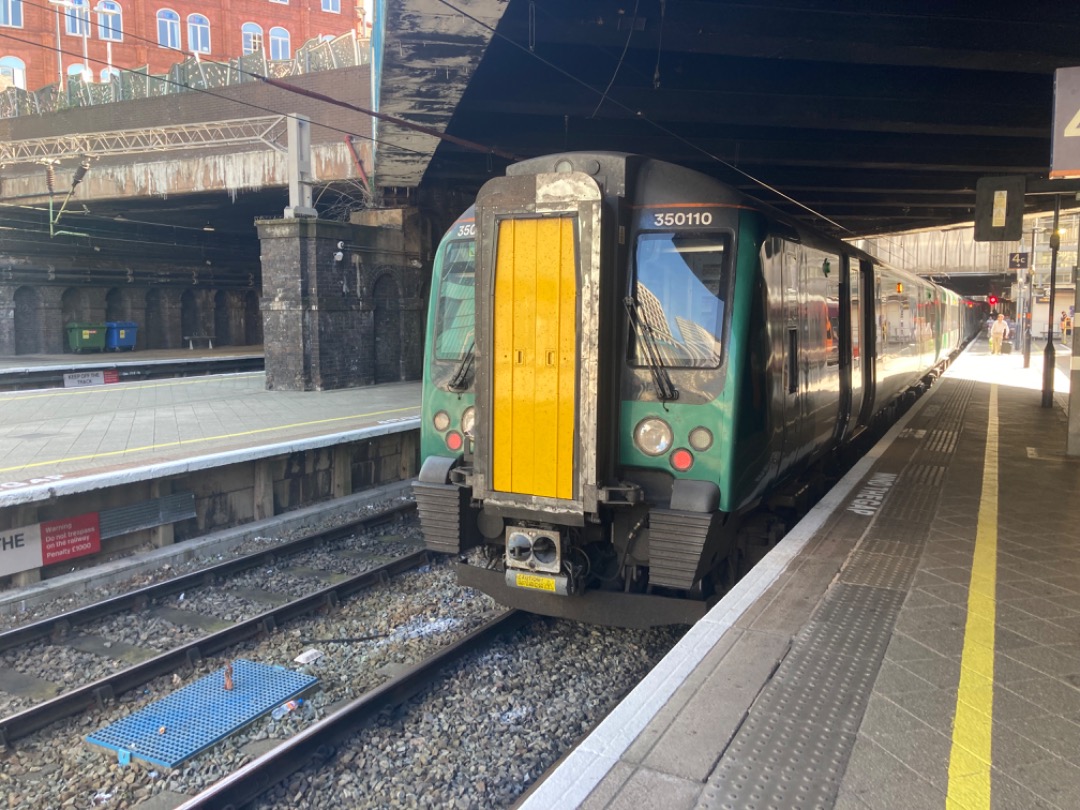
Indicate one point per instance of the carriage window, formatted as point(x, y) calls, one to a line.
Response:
point(680, 291)
point(454, 315)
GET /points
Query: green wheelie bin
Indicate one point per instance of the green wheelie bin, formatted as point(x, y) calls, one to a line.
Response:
point(86, 337)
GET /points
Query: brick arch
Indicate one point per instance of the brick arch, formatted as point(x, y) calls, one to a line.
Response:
point(253, 323)
point(29, 330)
point(75, 306)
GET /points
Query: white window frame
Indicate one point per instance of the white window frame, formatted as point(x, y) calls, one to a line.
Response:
point(173, 24)
point(331, 6)
point(11, 13)
point(77, 18)
point(276, 43)
point(14, 68)
point(251, 39)
point(110, 21)
point(195, 41)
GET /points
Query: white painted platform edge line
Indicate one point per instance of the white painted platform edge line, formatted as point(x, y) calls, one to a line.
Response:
point(72, 368)
point(14, 396)
point(609, 741)
point(87, 483)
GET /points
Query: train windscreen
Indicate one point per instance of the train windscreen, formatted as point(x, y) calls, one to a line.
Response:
point(681, 283)
point(455, 316)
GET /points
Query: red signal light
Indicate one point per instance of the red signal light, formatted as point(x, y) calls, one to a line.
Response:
point(993, 299)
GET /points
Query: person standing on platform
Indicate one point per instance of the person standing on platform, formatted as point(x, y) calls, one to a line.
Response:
point(998, 332)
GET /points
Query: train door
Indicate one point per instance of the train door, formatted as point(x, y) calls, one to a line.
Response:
point(792, 272)
point(534, 354)
point(853, 316)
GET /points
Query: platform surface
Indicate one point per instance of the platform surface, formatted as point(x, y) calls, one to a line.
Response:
point(914, 642)
point(57, 434)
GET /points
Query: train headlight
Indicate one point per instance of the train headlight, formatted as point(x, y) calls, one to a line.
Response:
point(701, 439)
point(468, 421)
point(441, 421)
point(653, 436)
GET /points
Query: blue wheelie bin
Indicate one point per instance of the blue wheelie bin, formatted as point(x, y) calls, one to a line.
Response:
point(120, 335)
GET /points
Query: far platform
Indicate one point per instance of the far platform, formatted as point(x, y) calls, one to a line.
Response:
point(55, 438)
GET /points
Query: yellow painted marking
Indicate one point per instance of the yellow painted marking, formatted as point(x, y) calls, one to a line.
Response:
point(534, 371)
point(119, 388)
point(970, 758)
point(183, 442)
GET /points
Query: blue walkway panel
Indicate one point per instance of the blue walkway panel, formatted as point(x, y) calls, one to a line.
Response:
point(176, 728)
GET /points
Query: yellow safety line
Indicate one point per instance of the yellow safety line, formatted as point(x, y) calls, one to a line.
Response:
point(180, 442)
point(119, 388)
point(970, 760)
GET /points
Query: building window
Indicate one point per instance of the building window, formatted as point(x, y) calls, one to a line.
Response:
point(279, 44)
point(253, 38)
point(11, 13)
point(110, 20)
point(12, 73)
point(168, 29)
point(80, 70)
point(284, 2)
point(198, 34)
point(332, 5)
point(108, 73)
point(77, 18)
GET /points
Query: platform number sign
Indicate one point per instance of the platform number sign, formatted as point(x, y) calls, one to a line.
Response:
point(1065, 161)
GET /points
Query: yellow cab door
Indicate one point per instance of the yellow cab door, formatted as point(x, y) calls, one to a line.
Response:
point(534, 357)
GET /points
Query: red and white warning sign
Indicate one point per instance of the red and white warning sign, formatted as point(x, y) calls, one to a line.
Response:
point(50, 542)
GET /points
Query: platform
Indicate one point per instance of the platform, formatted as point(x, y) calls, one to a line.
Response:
point(913, 642)
point(65, 440)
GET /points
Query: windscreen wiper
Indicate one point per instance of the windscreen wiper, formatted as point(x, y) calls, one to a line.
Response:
point(665, 388)
point(459, 382)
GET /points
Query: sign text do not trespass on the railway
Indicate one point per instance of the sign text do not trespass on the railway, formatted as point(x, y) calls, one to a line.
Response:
point(53, 541)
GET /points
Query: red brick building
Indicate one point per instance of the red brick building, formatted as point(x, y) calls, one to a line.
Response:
point(94, 34)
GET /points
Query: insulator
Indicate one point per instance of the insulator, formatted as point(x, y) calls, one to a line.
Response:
point(80, 173)
point(50, 178)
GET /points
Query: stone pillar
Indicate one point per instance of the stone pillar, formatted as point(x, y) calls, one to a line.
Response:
point(170, 317)
point(135, 312)
point(7, 320)
point(310, 307)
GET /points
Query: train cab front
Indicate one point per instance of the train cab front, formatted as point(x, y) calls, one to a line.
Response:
point(533, 483)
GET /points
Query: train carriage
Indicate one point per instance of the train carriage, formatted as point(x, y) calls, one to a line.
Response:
point(626, 361)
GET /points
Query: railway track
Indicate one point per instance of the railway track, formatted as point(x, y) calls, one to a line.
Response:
point(379, 648)
point(318, 742)
point(58, 629)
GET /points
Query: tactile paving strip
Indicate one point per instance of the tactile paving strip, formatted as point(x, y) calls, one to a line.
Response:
point(880, 570)
point(791, 750)
point(174, 729)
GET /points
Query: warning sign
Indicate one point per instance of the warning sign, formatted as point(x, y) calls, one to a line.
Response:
point(70, 537)
point(50, 542)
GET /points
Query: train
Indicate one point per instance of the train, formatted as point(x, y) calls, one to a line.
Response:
point(635, 374)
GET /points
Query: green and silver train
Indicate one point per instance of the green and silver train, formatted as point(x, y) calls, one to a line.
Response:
point(627, 362)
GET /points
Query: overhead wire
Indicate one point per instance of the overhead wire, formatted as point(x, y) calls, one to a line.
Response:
point(638, 114)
